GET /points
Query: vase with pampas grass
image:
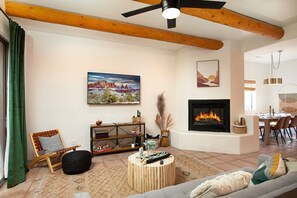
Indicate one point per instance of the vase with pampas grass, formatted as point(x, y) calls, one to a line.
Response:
point(163, 120)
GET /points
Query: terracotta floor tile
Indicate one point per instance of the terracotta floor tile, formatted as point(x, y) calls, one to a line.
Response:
point(97, 159)
point(253, 154)
point(43, 171)
point(241, 163)
point(225, 158)
point(125, 154)
point(213, 161)
point(18, 191)
point(97, 164)
point(214, 154)
point(251, 160)
point(226, 167)
point(189, 151)
point(110, 163)
point(33, 187)
point(125, 161)
point(200, 155)
point(110, 157)
point(33, 173)
point(235, 156)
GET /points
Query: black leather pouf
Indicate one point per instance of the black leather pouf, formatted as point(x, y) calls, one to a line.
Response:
point(76, 162)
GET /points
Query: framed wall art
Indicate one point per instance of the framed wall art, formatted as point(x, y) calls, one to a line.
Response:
point(208, 73)
point(107, 88)
point(287, 96)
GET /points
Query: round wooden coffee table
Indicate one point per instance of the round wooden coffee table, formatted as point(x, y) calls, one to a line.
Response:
point(151, 176)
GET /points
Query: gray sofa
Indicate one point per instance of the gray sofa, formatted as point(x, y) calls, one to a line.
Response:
point(282, 187)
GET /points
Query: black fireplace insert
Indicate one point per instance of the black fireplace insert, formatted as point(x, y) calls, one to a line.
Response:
point(209, 115)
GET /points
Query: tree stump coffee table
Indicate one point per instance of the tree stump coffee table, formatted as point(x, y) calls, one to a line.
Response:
point(151, 176)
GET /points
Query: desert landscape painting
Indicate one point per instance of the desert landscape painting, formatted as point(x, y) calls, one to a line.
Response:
point(105, 88)
point(208, 73)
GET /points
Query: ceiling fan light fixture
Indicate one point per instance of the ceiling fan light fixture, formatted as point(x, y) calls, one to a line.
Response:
point(171, 13)
point(170, 9)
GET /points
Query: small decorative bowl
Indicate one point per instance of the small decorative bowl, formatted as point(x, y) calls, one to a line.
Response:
point(98, 122)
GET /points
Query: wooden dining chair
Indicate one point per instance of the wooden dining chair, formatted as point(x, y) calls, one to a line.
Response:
point(286, 127)
point(42, 155)
point(293, 124)
point(277, 129)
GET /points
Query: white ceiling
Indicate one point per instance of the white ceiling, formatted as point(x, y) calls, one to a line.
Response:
point(263, 54)
point(278, 12)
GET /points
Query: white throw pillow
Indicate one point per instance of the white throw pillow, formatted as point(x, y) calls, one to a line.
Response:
point(222, 185)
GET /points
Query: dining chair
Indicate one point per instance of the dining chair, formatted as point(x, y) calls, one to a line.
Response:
point(277, 129)
point(286, 127)
point(293, 124)
point(262, 130)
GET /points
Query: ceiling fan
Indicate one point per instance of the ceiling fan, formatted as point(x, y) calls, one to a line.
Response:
point(171, 8)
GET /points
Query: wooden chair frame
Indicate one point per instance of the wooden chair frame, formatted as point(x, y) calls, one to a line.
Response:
point(34, 137)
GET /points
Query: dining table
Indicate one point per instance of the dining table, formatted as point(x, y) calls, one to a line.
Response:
point(267, 128)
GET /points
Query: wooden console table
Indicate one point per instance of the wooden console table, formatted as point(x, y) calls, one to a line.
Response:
point(151, 176)
point(119, 137)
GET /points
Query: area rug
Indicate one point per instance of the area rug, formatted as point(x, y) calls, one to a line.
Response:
point(111, 182)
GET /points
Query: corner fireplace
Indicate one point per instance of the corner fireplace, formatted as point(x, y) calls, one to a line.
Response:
point(209, 115)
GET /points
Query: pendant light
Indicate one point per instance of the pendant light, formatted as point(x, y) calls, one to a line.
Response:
point(274, 80)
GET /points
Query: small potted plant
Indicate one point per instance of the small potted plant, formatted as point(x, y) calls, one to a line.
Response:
point(150, 145)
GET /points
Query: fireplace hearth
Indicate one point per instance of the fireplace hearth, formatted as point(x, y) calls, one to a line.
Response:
point(209, 115)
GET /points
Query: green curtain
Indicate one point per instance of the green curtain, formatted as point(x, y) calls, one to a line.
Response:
point(17, 156)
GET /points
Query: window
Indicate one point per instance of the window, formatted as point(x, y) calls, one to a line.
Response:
point(249, 100)
point(249, 95)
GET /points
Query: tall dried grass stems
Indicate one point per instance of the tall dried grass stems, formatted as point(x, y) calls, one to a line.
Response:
point(163, 120)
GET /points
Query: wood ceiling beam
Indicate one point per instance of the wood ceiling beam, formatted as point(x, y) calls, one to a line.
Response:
point(50, 15)
point(233, 19)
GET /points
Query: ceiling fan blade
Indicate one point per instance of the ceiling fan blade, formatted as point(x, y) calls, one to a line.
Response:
point(141, 10)
point(171, 23)
point(202, 4)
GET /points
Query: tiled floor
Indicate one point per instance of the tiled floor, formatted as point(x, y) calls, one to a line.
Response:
point(224, 162)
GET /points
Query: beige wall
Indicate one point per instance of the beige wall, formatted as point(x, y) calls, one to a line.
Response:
point(56, 83)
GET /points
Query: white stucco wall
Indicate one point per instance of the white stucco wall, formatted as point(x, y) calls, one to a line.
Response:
point(56, 83)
